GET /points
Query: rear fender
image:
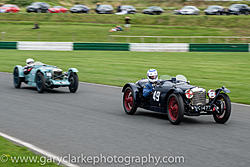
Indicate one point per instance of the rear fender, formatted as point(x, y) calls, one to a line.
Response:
point(134, 89)
point(20, 70)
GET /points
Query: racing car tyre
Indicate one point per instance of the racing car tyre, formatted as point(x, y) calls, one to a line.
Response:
point(73, 79)
point(16, 79)
point(40, 82)
point(175, 108)
point(129, 103)
point(224, 107)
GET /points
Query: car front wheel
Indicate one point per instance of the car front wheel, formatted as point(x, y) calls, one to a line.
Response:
point(223, 112)
point(129, 103)
point(16, 79)
point(175, 108)
point(40, 82)
point(73, 79)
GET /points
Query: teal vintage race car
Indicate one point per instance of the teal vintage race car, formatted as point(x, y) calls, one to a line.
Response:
point(43, 76)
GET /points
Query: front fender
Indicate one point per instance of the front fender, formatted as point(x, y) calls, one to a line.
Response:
point(222, 89)
point(72, 70)
point(178, 90)
point(133, 87)
point(41, 70)
point(20, 70)
point(165, 95)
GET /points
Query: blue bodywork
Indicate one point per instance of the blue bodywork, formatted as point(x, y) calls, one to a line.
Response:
point(54, 76)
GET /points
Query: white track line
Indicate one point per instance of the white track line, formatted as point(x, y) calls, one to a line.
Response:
point(38, 150)
point(239, 104)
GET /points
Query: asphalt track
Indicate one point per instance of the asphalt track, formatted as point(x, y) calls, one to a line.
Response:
point(92, 122)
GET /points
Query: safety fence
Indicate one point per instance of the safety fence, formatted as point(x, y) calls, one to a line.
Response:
point(144, 47)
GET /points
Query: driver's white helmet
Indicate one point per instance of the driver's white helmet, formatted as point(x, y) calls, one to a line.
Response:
point(152, 75)
point(30, 61)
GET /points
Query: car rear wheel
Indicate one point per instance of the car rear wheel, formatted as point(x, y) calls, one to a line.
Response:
point(16, 79)
point(73, 79)
point(129, 103)
point(175, 108)
point(224, 108)
point(40, 82)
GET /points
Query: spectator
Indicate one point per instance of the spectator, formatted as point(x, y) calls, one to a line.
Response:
point(36, 26)
point(117, 28)
point(127, 22)
point(98, 4)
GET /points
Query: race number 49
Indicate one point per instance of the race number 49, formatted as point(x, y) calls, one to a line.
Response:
point(156, 96)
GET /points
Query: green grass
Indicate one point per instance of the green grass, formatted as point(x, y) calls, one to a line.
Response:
point(208, 70)
point(93, 32)
point(231, 21)
point(8, 150)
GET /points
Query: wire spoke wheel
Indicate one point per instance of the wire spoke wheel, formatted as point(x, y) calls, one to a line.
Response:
point(223, 104)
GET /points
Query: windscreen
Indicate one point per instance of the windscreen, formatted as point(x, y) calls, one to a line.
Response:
point(181, 78)
point(165, 77)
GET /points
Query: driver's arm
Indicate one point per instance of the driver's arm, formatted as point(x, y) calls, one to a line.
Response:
point(147, 90)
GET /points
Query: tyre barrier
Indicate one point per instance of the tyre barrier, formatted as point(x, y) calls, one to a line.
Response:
point(143, 47)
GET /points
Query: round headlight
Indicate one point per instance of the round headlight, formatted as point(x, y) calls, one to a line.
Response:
point(211, 93)
point(189, 94)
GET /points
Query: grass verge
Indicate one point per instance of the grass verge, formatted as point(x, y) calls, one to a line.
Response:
point(93, 32)
point(10, 153)
point(208, 70)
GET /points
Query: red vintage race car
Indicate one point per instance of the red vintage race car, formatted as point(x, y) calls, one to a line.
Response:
point(8, 8)
point(58, 9)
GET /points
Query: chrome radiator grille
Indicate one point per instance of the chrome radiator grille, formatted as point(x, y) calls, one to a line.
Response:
point(57, 75)
point(199, 98)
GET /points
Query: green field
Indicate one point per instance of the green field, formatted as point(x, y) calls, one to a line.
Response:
point(208, 70)
point(9, 151)
point(98, 32)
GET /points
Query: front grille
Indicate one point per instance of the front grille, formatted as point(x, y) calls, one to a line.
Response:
point(199, 98)
point(57, 75)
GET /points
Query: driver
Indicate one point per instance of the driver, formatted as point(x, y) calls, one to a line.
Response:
point(29, 66)
point(152, 76)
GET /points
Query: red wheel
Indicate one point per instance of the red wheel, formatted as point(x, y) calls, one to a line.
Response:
point(224, 107)
point(129, 103)
point(175, 107)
